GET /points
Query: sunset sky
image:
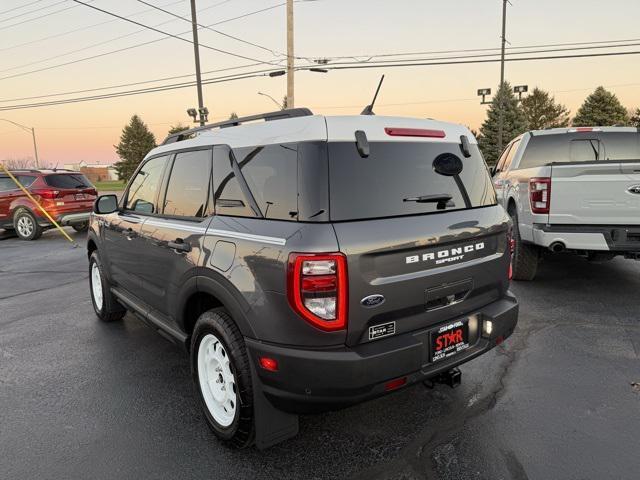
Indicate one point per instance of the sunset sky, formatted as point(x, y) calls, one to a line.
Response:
point(323, 28)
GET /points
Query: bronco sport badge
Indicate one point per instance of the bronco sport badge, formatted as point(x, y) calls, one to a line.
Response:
point(446, 255)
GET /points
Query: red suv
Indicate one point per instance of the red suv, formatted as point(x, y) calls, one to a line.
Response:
point(66, 195)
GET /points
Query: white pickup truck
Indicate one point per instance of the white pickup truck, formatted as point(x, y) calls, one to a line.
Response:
point(571, 189)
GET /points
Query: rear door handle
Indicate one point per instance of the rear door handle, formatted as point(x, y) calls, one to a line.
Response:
point(179, 245)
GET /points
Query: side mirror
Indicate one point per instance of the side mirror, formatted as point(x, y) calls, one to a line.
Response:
point(105, 204)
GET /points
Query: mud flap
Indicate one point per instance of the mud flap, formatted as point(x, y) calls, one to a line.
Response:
point(272, 425)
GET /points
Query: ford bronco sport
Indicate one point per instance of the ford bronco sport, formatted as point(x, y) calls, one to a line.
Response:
point(308, 262)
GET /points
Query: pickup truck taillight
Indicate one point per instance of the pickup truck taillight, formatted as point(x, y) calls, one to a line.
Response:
point(317, 288)
point(540, 194)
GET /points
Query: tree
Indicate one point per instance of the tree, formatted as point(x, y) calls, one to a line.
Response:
point(233, 116)
point(542, 111)
point(601, 108)
point(285, 103)
point(18, 163)
point(634, 121)
point(177, 128)
point(136, 141)
point(514, 123)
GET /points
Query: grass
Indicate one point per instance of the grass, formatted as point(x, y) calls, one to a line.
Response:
point(110, 186)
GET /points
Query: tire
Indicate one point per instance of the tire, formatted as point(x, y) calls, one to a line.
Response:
point(525, 257)
point(81, 227)
point(104, 302)
point(26, 225)
point(222, 377)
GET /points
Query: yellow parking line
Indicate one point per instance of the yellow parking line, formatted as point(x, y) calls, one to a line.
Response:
point(75, 245)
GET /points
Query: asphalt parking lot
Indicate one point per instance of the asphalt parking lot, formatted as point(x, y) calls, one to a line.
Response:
point(81, 399)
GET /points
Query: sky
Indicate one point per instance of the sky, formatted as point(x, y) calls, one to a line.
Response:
point(67, 32)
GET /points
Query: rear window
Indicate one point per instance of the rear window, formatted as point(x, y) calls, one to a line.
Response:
point(581, 147)
point(387, 183)
point(67, 181)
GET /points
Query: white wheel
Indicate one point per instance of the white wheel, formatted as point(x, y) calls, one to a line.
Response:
point(217, 380)
point(96, 286)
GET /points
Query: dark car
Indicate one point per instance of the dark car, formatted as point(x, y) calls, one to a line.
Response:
point(308, 262)
point(67, 197)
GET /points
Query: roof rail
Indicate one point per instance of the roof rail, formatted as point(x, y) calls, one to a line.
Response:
point(269, 116)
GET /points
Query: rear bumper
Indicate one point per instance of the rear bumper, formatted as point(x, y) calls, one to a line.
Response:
point(66, 219)
point(318, 380)
point(615, 238)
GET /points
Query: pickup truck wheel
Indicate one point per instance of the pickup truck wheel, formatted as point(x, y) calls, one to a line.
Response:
point(26, 225)
point(222, 376)
point(525, 257)
point(104, 302)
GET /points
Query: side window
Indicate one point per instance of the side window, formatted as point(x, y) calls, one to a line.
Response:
point(588, 150)
point(271, 173)
point(512, 153)
point(25, 180)
point(7, 184)
point(141, 196)
point(501, 160)
point(228, 196)
point(188, 189)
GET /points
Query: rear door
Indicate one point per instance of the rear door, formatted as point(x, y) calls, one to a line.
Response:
point(173, 238)
point(423, 261)
point(594, 185)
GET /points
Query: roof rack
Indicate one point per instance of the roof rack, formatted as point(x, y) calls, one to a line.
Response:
point(269, 116)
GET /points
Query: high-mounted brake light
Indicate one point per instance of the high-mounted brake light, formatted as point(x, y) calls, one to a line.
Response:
point(317, 289)
point(540, 194)
point(414, 132)
point(584, 130)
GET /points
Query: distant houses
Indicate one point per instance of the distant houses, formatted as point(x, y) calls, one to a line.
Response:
point(95, 172)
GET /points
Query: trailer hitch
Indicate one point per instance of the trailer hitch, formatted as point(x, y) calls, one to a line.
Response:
point(452, 377)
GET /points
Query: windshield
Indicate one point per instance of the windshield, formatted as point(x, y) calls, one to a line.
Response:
point(398, 178)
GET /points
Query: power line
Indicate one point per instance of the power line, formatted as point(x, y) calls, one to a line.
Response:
point(177, 37)
point(266, 72)
point(270, 50)
point(19, 7)
point(39, 17)
point(32, 11)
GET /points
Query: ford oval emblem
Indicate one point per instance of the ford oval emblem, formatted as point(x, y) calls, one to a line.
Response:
point(372, 301)
point(634, 189)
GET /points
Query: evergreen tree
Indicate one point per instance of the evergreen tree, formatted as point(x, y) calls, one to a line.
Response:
point(233, 116)
point(136, 141)
point(513, 123)
point(601, 108)
point(635, 119)
point(177, 128)
point(542, 111)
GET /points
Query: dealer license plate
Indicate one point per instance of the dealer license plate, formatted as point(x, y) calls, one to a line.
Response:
point(449, 340)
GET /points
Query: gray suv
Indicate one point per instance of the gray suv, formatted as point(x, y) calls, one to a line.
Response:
point(308, 263)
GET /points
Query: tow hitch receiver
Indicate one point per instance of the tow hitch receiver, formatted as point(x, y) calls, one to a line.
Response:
point(452, 377)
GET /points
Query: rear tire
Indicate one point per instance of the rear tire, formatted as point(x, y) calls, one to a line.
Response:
point(26, 225)
point(222, 377)
point(81, 227)
point(104, 302)
point(525, 257)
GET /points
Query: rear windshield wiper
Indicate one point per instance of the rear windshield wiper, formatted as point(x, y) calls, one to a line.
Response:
point(442, 199)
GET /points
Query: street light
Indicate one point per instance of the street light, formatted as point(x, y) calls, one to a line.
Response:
point(271, 98)
point(520, 89)
point(33, 135)
point(484, 92)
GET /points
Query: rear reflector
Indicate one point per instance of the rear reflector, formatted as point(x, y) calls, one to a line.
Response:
point(540, 194)
point(414, 132)
point(395, 384)
point(269, 364)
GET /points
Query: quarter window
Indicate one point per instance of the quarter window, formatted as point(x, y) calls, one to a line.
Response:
point(144, 187)
point(188, 189)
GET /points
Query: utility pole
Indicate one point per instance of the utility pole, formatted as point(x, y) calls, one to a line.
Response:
point(196, 51)
point(33, 136)
point(500, 103)
point(290, 65)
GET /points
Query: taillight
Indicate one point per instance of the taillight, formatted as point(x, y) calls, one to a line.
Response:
point(91, 191)
point(540, 194)
point(317, 288)
point(46, 193)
